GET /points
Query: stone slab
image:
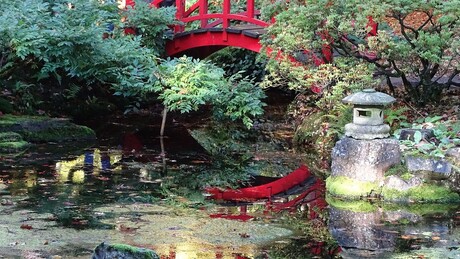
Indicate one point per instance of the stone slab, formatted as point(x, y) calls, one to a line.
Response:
point(364, 160)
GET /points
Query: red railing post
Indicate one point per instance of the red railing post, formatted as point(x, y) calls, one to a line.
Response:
point(250, 8)
point(225, 20)
point(203, 11)
point(180, 6)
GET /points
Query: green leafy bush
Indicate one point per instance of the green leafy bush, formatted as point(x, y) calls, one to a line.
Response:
point(446, 136)
point(423, 52)
point(185, 84)
point(58, 48)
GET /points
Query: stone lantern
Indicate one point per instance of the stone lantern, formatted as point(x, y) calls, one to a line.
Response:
point(368, 108)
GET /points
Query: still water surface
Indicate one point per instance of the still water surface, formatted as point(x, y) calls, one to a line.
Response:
point(64, 199)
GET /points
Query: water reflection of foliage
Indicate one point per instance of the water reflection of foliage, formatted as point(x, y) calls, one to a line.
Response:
point(313, 239)
point(74, 169)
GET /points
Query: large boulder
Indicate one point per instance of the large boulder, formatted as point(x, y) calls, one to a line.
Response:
point(454, 155)
point(364, 160)
point(44, 129)
point(436, 169)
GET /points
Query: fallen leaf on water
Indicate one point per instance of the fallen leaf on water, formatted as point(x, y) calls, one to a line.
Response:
point(408, 237)
point(6, 202)
point(126, 229)
point(244, 235)
point(25, 226)
point(80, 222)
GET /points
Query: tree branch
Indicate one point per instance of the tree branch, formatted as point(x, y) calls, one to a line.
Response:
point(450, 81)
point(427, 21)
point(403, 29)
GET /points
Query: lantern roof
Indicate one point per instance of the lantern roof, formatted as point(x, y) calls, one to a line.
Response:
point(369, 97)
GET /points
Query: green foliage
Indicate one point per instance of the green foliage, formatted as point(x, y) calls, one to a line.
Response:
point(424, 55)
point(319, 131)
point(25, 99)
point(395, 117)
point(5, 106)
point(239, 99)
point(153, 24)
point(335, 84)
point(236, 60)
point(186, 84)
point(54, 45)
point(446, 136)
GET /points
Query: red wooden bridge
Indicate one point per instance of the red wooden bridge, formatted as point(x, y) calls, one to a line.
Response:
point(202, 32)
point(212, 31)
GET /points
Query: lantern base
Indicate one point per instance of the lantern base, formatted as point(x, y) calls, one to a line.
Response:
point(357, 131)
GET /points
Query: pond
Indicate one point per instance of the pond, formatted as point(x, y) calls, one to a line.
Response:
point(61, 200)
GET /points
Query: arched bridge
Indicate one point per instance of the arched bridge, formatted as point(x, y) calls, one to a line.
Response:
point(214, 30)
point(231, 26)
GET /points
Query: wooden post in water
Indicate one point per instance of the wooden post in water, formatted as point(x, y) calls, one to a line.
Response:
point(163, 121)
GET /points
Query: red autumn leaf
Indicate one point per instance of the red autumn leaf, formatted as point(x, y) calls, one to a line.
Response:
point(25, 226)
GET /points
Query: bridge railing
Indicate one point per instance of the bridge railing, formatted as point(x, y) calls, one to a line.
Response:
point(199, 11)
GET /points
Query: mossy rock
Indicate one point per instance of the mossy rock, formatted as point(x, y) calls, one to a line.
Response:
point(10, 136)
point(12, 142)
point(45, 129)
point(13, 147)
point(426, 193)
point(105, 250)
point(350, 189)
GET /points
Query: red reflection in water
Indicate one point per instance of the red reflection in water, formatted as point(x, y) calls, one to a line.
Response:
point(311, 198)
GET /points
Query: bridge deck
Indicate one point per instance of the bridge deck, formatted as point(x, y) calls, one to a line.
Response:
point(250, 30)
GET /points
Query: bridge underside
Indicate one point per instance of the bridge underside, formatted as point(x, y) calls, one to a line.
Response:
point(203, 42)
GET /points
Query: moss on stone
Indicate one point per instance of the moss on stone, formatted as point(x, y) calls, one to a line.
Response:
point(354, 206)
point(105, 250)
point(13, 146)
point(8, 119)
point(45, 129)
point(10, 136)
point(134, 250)
point(421, 209)
point(398, 169)
point(11, 142)
point(60, 133)
point(428, 193)
point(347, 188)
